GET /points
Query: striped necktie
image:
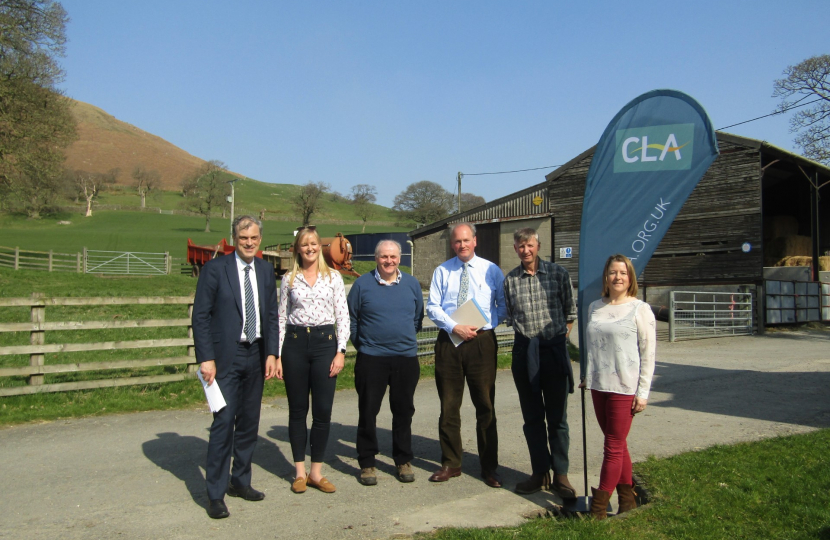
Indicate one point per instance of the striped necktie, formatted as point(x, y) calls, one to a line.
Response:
point(250, 308)
point(464, 290)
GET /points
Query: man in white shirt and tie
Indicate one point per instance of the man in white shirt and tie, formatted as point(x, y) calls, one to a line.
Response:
point(462, 278)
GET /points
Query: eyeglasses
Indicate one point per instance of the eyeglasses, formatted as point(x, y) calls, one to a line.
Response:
point(307, 228)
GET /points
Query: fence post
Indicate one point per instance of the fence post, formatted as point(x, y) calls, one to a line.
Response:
point(78, 262)
point(37, 336)
point(85, 261)
point(17, 258)
point(50, 260)
point(671, 316)
point(191, 349)
point(168, 267)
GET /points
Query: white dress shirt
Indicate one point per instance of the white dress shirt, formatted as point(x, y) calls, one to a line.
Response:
point(486, 286)
point(240, 269)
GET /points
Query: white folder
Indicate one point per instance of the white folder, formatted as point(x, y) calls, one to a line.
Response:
point(469, 314)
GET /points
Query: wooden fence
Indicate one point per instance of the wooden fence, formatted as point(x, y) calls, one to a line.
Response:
point(37, 349)
point(51, 261)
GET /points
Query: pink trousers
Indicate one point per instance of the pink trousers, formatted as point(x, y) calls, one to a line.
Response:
point(614, 416)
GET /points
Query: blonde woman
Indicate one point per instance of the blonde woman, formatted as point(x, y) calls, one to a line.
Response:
point(620, 340)
point(312, 353)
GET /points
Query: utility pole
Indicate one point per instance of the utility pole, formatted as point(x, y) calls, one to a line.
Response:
point(460, 176)
point(232, 201)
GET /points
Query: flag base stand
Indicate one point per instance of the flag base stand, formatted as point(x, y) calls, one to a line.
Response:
point(580, 505)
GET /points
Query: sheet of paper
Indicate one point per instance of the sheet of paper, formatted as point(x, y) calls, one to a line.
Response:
point(469, 314)
point(215, 399)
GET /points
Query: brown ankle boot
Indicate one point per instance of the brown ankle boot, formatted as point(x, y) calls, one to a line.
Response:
point(534, 483)
point(562, 486)
point(599, 503)
point(625, 498)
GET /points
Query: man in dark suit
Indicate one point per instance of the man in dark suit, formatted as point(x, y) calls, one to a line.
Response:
point(236, 334)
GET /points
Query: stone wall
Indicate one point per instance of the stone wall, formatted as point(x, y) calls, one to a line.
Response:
point(430, 251)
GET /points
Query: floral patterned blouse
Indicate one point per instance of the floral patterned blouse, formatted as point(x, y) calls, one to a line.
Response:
point(620, 343)
point(324, 303)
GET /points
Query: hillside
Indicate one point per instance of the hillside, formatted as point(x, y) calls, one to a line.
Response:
point(104, 143)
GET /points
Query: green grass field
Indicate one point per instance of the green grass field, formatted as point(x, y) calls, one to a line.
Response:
point(251, 197)
point(110, 230)
point(772, 489)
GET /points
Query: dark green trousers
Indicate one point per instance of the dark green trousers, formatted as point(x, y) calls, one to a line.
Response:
point(474, 361)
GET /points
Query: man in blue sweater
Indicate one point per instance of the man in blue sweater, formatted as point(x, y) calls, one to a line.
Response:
point(386, 308)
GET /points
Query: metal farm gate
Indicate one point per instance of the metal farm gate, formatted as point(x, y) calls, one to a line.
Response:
point(126, 263)
point(696, 315)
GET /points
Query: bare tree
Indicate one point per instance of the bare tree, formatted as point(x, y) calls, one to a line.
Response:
point(90, 185)
point(363, 198)
point(809, 79)
point(145, 180)
point(207, 190)
point(423, 202)
point(309, 198)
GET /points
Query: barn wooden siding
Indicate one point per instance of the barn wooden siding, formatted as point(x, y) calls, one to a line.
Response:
point(704, 242)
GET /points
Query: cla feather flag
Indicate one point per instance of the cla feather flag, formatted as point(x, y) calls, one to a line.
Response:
point(647, 162)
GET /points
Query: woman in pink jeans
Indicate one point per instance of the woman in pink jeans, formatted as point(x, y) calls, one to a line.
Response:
point(620, 342)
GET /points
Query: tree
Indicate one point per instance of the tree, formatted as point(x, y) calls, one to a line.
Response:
point(309, 198)
point(145, 180)
point(363, 198)
point(468, 201)
point(809, 79)
point(89, 185)
point(423, 202)
point(35, 120)
point(207, 189)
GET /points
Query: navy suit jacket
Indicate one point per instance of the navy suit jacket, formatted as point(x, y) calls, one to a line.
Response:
point(218, 308)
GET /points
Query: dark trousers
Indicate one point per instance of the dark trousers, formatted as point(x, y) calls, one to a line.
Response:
point(235, 428)
point(614, 415)
point(474, 361)
point(547, 444)
point(307, 354)
point(372, 374)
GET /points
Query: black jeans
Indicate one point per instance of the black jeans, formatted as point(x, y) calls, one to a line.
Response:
point(307, 354)
point(549, 402)
point(235, 428)
point(474, 361)
point(372, 374)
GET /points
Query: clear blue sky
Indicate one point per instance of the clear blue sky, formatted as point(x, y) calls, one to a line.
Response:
point(389, 93)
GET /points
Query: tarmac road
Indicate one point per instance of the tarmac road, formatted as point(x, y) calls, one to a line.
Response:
point(142, 475)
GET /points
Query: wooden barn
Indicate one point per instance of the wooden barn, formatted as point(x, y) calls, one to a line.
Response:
point(756, 205)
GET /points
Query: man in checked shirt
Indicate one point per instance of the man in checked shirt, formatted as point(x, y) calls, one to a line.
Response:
point(540, 307)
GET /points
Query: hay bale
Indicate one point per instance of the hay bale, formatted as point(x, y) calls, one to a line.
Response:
point(788, 246)
point(782, 226)
point(823, 262)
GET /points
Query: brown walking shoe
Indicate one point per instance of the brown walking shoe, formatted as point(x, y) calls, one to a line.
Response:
point(368, 476)
point(405, 473)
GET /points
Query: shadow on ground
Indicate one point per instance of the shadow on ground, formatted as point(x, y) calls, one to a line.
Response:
point(789, 397)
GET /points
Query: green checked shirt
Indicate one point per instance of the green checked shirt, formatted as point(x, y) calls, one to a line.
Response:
point(542, 304)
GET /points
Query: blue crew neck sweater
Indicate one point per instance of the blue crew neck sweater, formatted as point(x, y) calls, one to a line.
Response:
point(386, 318)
